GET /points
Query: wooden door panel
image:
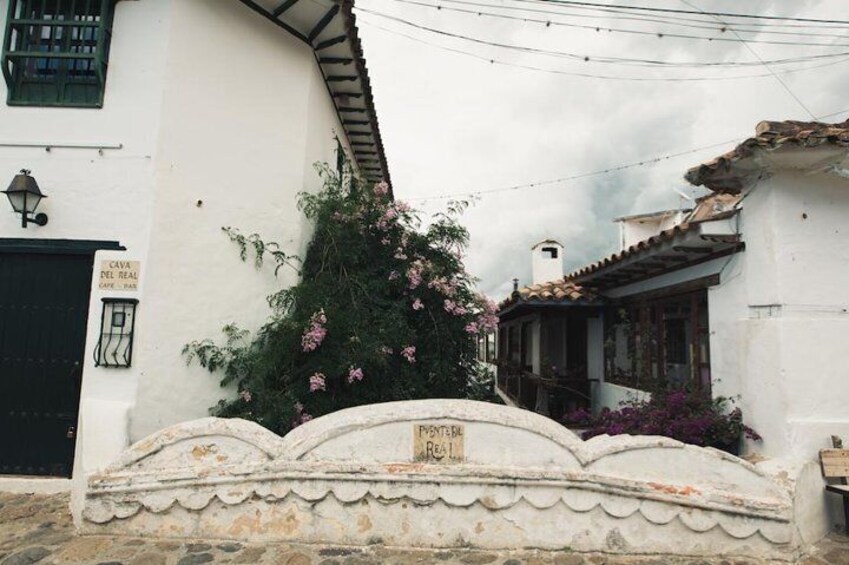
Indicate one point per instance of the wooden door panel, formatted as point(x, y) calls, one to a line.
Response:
point(43, 312)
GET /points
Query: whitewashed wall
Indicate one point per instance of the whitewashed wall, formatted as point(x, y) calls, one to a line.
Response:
point(245, 115)
point(220, 115)
point(779, 319)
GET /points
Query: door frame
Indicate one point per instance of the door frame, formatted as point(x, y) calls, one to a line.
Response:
point(85, 247)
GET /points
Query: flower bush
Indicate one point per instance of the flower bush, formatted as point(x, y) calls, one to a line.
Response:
point(384, 311)
point(688, 416)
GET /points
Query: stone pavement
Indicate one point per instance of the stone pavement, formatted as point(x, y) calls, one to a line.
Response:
point(38, 529)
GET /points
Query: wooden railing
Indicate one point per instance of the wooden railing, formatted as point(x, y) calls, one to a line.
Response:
point(552, 396)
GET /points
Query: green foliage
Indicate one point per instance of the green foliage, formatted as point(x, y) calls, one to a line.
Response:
point(384, 311)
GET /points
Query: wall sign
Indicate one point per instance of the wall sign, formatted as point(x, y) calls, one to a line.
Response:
point(438, 443)
point(119, 275)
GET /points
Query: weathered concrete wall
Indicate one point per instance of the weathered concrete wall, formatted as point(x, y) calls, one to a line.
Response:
point(500, 478)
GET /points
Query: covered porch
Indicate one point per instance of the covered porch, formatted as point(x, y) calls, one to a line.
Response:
point(544, 362)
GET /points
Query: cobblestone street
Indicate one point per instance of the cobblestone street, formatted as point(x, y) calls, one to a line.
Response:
point(38, 529)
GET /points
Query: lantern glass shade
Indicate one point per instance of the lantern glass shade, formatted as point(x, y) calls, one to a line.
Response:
point(24, 194)
point(18, 201)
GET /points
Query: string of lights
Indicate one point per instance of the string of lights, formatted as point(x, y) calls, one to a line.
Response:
point(600, 172)
point(726, 15)
point(693, 23)
point(600, 28)
point(499, 62)
point(606, 59)
point(766, 65)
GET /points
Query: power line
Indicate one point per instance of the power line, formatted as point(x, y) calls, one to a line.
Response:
point(499, 62)
point(599, 172)
point(604, 59)
point(676, 21)
point(578, 176)
point(599, 28)
point(717, 14)
point(758, 57)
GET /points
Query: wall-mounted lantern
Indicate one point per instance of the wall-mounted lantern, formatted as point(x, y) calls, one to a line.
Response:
point(117, 322)
point(24, 195)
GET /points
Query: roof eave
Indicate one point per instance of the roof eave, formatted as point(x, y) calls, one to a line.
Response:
point(667, 252)
point(329, 28)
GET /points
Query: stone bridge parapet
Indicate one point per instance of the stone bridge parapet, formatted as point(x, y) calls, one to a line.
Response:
point(444, 474)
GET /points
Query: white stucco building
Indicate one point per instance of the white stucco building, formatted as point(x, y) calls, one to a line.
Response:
point(745, 296)
point(150, 125)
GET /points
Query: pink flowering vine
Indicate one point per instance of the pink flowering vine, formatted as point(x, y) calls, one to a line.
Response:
point(454, 308)
point(409, 353)
point(318, 382)
point(245, 395)
point(316, 332)
point(417, 304)
point(381, 189)
point(355, 374)
point(301, 416)
point(414, 274)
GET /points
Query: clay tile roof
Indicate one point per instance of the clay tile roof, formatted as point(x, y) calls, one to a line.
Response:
point(663, 236)
point(724, 173)
point(552, 292)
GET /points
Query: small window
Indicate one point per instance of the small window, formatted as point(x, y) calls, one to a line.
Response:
point(55, 52)
point(549, 252)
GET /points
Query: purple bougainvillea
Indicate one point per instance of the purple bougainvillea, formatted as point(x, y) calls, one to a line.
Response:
point(688, 416)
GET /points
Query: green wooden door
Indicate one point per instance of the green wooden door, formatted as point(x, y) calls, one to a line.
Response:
point(43, 311)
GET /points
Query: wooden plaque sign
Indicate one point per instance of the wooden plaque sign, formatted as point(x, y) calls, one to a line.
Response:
point(438, 443)
point(119, 275)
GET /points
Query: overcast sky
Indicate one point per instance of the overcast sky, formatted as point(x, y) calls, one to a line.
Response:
point(453, 123)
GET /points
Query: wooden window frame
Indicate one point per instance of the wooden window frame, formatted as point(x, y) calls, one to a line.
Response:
point(646, 311)
point(55, 52)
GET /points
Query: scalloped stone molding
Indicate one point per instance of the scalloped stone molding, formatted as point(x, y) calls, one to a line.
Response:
point(524, 481)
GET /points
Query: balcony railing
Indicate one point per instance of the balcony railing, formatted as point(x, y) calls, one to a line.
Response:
point(551, 396)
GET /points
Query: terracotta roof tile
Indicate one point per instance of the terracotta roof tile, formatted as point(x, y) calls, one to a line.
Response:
point(653, 241)
point(721, 173)
point(552, 292)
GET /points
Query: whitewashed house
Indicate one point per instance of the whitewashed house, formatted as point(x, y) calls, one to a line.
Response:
point(746, 295)
point(150, 125)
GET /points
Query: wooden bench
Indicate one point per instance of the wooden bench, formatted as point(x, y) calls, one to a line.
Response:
point(835, 465)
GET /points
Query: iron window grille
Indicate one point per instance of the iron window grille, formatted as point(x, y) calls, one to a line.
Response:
point(117, 325)
point(55, 52)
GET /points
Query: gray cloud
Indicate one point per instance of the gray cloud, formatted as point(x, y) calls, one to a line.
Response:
point(456, 124)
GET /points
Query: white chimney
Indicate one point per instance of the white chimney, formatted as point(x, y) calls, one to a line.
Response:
point(547, 261)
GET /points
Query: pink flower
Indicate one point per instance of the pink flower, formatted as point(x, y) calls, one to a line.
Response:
point(381, 189)
point(394, 275)
point(355, 374)
point(301, 417)
point(409, 353)
point(402, 206)
point(417, 304)
point(443, 285)
point(316, 333)
point(245, 395)
point(390, 214)
point(472, 328)
point(414, 274)
point(318, 382)
point(454, 308)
